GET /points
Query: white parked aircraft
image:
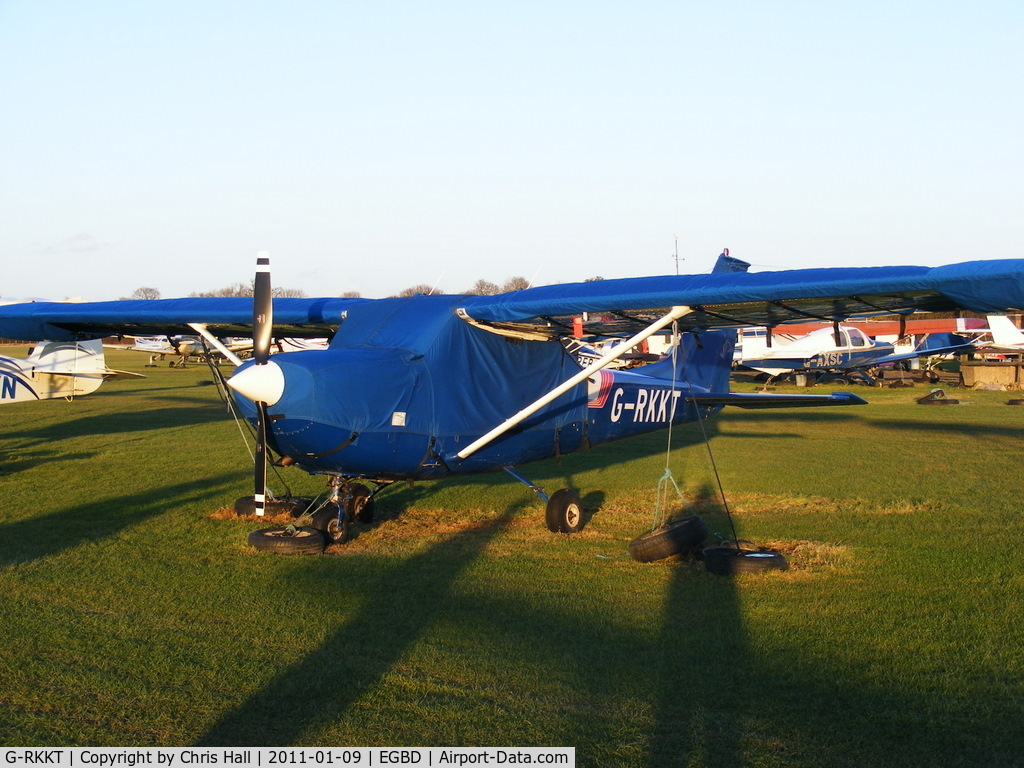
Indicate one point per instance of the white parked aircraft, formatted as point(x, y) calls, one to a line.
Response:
point(55, 369)
point(184, 347)
point(1006, 336)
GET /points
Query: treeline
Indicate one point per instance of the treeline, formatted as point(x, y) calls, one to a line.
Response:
point(479, 288)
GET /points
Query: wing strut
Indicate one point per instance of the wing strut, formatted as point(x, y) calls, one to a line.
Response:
point(603, 362)
point(202, 331)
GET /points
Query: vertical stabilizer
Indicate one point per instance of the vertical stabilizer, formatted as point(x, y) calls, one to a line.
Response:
point(727, 263)
point(703, 363)
point(1005, 334)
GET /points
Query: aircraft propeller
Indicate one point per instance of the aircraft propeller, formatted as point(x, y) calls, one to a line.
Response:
point(262, 335)
point(262, 382)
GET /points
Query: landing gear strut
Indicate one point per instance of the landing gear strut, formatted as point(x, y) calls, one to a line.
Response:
point(564, 512)
point(349, 502)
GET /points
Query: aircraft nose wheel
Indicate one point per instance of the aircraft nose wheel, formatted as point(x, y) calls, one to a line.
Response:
point(348, 504)
point(564, 512)
point(334, 521)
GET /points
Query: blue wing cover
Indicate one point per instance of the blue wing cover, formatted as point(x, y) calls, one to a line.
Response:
point(771, 298)
point(35, 321)
point(612, 307)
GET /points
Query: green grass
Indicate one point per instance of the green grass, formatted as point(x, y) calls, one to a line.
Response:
point(134, 614)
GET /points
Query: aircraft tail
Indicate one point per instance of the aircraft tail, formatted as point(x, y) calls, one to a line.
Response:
point(727, 263)
point(1004, 332)
point(703, 362)
point(54, 369)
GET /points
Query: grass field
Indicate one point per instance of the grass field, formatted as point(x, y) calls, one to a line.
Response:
point(134, 613)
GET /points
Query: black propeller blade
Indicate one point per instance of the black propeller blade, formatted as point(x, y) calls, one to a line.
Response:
point(262, 311)
point(262, 333)
point(260, 461)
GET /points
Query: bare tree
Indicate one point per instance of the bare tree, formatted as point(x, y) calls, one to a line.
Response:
point(593, 279)
point(236, 289)
point(351, 295)
point(414, 289)
point(143, 293)
point(515, 284)
point(247, 289)
point(484, 288)
point(289, 293)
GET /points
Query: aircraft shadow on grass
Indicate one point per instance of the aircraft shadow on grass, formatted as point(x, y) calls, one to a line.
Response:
point(1009, 432)
point(321, 687)
point(32, 538)
point(123, 422)
point(20, 459)
point(714, 689)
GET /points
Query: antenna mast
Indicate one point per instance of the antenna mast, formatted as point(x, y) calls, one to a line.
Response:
point(676, 257)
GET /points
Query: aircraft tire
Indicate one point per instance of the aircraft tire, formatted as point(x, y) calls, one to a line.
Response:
point(288, 505)
point(564, 513)
point(304, 541)
point(727, 560)
point(362, 504)
point(326, 521)
point(667, 540)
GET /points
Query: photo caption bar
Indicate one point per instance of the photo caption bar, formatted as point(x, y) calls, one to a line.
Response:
point(265, 757)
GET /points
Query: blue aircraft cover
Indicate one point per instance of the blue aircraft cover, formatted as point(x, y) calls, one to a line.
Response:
point(448, 380)
point(35, 321)
point(613, 307)
point(771, 298)
point(387, 345)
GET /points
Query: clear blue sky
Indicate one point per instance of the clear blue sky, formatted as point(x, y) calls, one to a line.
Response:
point(370, 146)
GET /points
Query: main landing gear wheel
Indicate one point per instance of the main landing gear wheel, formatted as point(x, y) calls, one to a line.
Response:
point(362, 504)
point(727, 560)
point(671, 539)
point(288, 541)
point(564, 513)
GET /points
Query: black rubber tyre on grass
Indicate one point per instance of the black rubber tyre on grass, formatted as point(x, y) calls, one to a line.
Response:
point(726, 560)
point(564, 513)
point(671, 539)
point(285, 541)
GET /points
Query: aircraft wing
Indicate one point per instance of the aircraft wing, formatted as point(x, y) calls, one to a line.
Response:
point(611, 308)
point(925, 350)
point(608, 308)
point(230, 316)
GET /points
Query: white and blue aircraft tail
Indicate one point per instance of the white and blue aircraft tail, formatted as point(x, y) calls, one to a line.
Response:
point(1006, 336)
point(54, 369)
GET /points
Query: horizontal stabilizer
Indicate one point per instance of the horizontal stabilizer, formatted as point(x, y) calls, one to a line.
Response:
point(106, 373)
point(778, 401)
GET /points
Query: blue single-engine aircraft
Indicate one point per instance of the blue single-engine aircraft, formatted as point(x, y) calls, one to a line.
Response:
point(435, 386)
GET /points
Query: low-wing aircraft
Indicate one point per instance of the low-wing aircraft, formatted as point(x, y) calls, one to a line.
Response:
point(182, 347)
point(428, 387)
point(842, 349)
point(55, 369)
